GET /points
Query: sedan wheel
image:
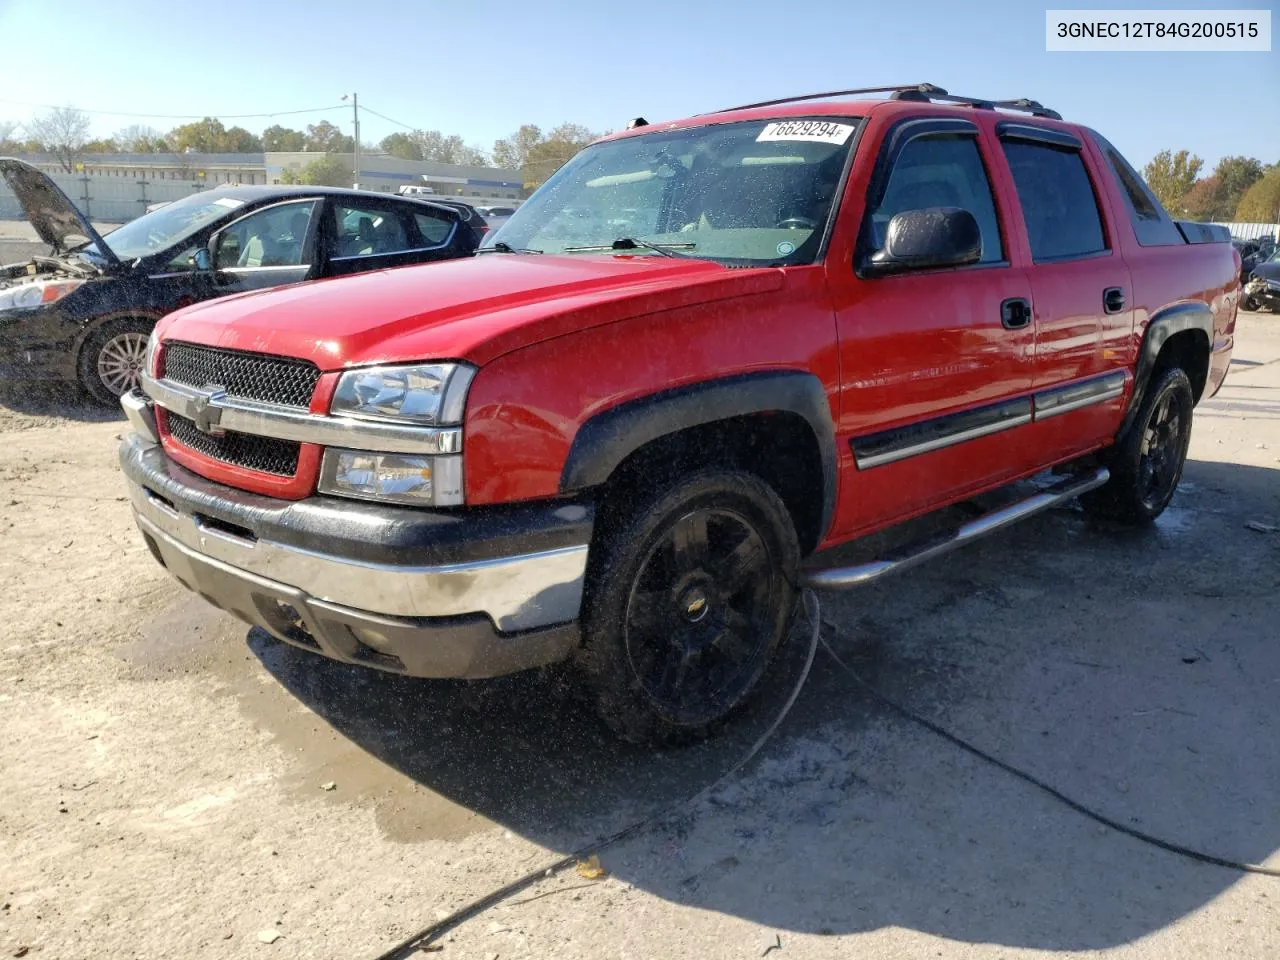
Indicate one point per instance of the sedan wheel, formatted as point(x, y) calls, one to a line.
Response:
point(113, 358)
point(120, 362)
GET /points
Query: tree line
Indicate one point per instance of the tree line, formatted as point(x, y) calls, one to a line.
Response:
point(1240, 189)
point(64, 133)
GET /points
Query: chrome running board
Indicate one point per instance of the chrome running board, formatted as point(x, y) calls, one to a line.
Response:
point(843, 578)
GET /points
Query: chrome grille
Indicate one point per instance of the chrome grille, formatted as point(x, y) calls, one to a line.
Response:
point(264, 454)
point(252, 376)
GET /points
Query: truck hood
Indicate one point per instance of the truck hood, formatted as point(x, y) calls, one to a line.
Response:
point(56, 220)
point(472, 309)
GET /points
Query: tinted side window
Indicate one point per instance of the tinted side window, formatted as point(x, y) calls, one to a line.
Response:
point(435, 230)
point(940, 171)
point(1151, 225)
point(1058, 204)
point(366, 231)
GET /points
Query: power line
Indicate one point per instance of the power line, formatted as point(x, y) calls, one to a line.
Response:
point(388, 119)
point(177, 116)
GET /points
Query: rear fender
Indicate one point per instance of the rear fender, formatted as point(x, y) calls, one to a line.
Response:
point(1164, 324)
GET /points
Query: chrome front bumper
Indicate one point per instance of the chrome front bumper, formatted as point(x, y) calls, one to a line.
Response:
point(395, 588)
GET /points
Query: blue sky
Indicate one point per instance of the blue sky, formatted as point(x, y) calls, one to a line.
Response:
point(480, 70)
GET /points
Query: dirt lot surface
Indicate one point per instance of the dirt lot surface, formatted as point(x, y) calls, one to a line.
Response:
point(175, 785)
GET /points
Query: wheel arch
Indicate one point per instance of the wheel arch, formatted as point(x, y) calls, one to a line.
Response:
point(1178, 335)
point(787, 410)
point(95, 323)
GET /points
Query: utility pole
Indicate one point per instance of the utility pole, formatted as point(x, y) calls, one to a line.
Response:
point(355, 111)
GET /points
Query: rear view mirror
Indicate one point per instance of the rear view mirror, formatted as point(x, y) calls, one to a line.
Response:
point(928, 239)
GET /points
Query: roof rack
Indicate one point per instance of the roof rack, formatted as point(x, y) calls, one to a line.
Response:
point(1033, 107)
point(917, 92)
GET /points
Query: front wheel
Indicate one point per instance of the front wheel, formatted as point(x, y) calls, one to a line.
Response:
point(1146, 463)
point(690, 594)
point(112, 357)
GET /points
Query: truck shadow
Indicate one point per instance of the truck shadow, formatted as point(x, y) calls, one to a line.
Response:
point(1133, 670)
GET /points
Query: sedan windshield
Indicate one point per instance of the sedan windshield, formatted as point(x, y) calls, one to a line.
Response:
point(757, 192)
point(169, 225)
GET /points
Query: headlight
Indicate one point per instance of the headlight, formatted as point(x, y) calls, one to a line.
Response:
point(431, 394)
point(28, 296)
point(393, 477)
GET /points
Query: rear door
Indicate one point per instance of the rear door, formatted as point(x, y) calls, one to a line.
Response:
point(371, 234)
point(1080, 287)
point(936, 364)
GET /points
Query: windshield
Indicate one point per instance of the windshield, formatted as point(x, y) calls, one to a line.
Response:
point(755, 192)
point(169, 225)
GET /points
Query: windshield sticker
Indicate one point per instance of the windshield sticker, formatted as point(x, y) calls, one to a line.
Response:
point(786, 248)
point(812, 131)
point(229, 202)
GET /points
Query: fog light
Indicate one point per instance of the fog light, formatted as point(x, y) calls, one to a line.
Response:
point(392, 477)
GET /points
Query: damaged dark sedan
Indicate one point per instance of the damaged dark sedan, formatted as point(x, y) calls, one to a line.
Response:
point(84, 312)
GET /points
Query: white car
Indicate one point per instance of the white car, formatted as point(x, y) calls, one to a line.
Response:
point(495, 216)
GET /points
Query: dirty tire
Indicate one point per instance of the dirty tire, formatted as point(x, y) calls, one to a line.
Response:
point(691, 589)
point(105, 357)
point(1146, 463)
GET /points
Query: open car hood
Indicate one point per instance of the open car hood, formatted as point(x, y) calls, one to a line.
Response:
point(55, 218)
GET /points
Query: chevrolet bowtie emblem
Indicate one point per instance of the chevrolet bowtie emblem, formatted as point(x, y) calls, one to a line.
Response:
point(206, 413)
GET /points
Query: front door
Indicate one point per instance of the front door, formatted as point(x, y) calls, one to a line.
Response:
point(936, 364)
point(269, 247)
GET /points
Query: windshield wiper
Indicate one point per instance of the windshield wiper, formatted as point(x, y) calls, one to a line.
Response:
point(501, 247)
point(632, 243)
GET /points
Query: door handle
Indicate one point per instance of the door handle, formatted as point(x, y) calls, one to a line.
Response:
point(1015, 313)
point(1113, 300)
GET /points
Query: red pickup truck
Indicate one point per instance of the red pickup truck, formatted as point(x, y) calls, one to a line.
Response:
point(700, 355)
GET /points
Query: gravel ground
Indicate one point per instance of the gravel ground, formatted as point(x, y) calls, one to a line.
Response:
point(165, 770)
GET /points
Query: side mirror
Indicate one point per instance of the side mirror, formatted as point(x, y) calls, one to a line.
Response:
point(928, 239)
point(202, 260)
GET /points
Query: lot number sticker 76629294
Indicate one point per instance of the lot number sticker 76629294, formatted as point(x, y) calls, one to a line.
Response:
point(813, 131)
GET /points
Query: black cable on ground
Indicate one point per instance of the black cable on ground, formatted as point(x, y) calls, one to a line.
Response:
point(1057, 794)
point(425, 936)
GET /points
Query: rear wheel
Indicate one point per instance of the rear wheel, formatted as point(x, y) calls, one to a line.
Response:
point(691, 592)
point(1146, 463)
point(111, 359)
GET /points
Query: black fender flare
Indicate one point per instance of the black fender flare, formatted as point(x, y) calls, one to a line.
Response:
point(1164, 324)
point(608, 438)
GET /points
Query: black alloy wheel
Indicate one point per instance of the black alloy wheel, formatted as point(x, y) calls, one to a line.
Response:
point(1162, 452)
point(699, 617)
point(690, 591)
point(1146, 462)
